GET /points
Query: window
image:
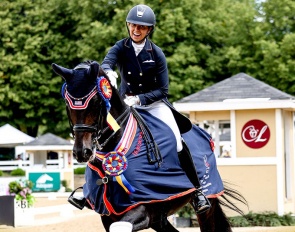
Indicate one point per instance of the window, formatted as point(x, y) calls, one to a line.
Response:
point(221, 134)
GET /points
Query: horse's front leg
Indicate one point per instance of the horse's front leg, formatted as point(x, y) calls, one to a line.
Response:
point(106, 221)
point(134, 220)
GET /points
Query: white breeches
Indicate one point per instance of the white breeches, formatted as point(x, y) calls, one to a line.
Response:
point(160, 110)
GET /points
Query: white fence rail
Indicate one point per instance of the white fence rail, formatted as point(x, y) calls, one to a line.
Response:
point(50, 164)
point(11, 165)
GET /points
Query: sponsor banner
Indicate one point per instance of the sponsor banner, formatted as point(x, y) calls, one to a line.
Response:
point(45, 181)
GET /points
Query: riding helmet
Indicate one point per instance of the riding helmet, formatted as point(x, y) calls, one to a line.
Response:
point(141, 15)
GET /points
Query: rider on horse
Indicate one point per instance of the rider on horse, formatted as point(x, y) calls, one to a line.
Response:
point(144, 84)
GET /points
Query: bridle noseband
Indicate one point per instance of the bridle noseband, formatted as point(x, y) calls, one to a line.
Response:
point(84, 128)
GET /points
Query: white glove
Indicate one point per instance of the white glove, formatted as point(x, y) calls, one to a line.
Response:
point(112, 75)
point(132, 100)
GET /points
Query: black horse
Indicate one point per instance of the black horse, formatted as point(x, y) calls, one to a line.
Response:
point(101, 124)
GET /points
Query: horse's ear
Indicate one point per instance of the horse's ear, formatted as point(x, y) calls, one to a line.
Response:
point(93, 70)
point(63, 72)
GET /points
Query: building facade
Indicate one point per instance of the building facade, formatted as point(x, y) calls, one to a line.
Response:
point(252, 125)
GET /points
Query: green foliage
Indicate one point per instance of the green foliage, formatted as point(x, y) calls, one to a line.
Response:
point(18, 172)
point(239, 221)
point(1, 173)
point(22, 190)
point(262, 219)
point(79, 171)
point(187, 211)
point(204, 42)
point(64, 183)
point(267, 219)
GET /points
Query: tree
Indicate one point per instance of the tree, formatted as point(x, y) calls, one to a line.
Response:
point(204, 42)
point(276, 45)
point(32, 36)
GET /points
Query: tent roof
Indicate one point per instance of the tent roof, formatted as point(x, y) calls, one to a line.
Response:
point(49, 139)
point(10, 136)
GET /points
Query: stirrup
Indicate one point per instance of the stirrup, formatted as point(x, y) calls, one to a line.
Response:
point(78, 202)
point(200, 203)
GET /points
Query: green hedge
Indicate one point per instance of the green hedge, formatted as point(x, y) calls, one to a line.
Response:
point(18, 172)
point(79, 171)
point(262, 219)
point(1, 173)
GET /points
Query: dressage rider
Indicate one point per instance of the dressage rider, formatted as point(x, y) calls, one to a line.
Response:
point(144, 84)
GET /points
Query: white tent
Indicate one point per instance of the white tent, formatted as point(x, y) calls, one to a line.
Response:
point(10, 136)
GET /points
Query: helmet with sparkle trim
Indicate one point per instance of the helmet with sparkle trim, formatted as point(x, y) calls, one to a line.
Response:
point(141, 15)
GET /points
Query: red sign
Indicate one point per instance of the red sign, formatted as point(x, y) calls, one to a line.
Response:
point(255, 133)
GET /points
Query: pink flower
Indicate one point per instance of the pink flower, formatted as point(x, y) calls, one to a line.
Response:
point(23, 194)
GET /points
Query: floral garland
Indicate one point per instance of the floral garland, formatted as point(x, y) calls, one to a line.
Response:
point(22, 190)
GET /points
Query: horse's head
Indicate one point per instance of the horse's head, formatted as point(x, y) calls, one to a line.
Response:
point(87, 94)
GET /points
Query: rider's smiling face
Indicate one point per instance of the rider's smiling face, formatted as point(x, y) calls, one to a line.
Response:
point(138, 32)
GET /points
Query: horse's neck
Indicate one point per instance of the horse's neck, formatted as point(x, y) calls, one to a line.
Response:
point(119, 112)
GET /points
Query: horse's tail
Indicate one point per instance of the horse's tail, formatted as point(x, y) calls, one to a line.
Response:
point(215, 219)
point(229, 194)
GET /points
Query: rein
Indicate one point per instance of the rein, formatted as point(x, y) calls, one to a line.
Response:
point(100, 133)
point(151, 145)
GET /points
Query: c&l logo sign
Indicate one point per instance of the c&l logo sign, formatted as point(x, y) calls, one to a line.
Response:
point(255, 133)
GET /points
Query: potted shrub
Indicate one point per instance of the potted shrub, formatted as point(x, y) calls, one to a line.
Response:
point(22, 191)
point(184, 216)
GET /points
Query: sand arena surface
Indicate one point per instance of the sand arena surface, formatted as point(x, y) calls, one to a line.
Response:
point(67, 218)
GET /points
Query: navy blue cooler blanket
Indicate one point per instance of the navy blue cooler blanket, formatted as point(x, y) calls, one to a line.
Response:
point(147, 182)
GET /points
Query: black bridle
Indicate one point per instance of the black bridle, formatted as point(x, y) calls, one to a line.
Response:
point(97, 133)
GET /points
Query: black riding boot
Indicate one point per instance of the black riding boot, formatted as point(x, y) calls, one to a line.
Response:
point(199, 202)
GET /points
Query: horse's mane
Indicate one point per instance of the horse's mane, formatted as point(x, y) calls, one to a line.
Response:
point(86, 62)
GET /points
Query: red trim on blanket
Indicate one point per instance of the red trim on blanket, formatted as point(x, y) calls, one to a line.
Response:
point(111, 209)
point(215, 195)
point(152, 201)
